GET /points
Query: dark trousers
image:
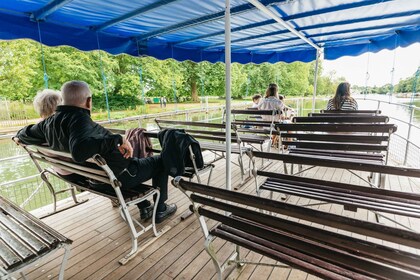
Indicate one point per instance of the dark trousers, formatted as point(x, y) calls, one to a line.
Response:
point(143, 169)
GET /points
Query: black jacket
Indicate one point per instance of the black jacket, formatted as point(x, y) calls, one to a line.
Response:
point(71, 129)
point(175, 153)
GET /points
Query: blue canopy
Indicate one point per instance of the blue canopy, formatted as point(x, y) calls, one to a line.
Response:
point(194, 29)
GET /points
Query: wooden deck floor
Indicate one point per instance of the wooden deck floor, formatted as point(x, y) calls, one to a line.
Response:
point(101, 237)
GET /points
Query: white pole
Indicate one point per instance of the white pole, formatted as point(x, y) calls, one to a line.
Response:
point(318, 54)
point(227, 92)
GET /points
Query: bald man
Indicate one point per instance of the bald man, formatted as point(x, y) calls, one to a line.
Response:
point(72, 130)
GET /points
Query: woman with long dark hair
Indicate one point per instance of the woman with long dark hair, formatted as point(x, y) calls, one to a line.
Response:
point(342, 99)
point(271, 101)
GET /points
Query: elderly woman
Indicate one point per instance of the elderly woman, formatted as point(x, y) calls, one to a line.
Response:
point(46, 102)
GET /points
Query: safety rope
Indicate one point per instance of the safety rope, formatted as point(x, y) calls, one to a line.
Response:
point(174, 81)
point(391, 90)
point(103, 77)
point(140, 73)
point(367, 70)
point(43, 57)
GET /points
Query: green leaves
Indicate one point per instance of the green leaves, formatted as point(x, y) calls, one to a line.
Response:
point(21, 76)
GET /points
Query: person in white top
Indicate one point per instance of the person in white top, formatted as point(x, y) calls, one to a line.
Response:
point(272, 102)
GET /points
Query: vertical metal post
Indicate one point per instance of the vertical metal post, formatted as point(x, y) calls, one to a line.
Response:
point(367, 71)
point(228, 94)
point(412, 107)
point(415, 85)
point(318, 54)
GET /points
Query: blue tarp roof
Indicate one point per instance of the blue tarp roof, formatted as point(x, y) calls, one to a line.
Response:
point(194, 29)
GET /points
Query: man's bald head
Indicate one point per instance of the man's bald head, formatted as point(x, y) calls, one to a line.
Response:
point(76, 93)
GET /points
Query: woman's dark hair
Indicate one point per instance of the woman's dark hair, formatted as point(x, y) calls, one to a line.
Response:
point(342, 93)
point(272, 90)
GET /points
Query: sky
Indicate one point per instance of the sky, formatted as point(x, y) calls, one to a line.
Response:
point(380, 65)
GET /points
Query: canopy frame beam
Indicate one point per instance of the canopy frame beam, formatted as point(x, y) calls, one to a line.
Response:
point(283, 23)
point(323, 25)
point(48, 9)
point(286, 18)
point(132, 14)
point(204, 19)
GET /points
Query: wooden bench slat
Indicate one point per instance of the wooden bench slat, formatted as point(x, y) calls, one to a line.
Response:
point(377, 128)
point(337, 137)
point(8, 257)
point(29, 239)
point(379, 158)
point(351, 112)
point(341, 119)
point(200, 124)
point(16, 244)
point(48, 237)
point(336, 146)
point(253, 112)
point(341, 163)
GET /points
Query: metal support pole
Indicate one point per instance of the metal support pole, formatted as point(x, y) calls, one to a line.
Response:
point(318, 54)
point(228, 94)
point(412, 107)
point(415, 85)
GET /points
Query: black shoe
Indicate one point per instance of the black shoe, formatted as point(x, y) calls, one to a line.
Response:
point(162, 215)
point(146, 213)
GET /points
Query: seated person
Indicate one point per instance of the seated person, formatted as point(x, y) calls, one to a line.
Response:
point(71, 129)
point(342, 99)
point(288, 111)
point(46, 102)
point(256, 100)
point(271, 102)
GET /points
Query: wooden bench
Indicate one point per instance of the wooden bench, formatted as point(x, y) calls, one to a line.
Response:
point(24, 240)
point(353, 119)
point(364, 141)
point(310, 248)
point(247, 125)
point(102, 181)
point(349, 195)
point(374, 112)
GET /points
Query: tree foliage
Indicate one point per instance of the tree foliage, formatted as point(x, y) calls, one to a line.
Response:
point(127, 77)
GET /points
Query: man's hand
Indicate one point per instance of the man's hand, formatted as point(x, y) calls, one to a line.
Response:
point(125, 149)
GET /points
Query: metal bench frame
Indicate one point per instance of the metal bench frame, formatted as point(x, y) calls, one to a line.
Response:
point(103, 174)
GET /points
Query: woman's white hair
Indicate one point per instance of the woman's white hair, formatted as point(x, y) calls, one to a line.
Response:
point(46, 102)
